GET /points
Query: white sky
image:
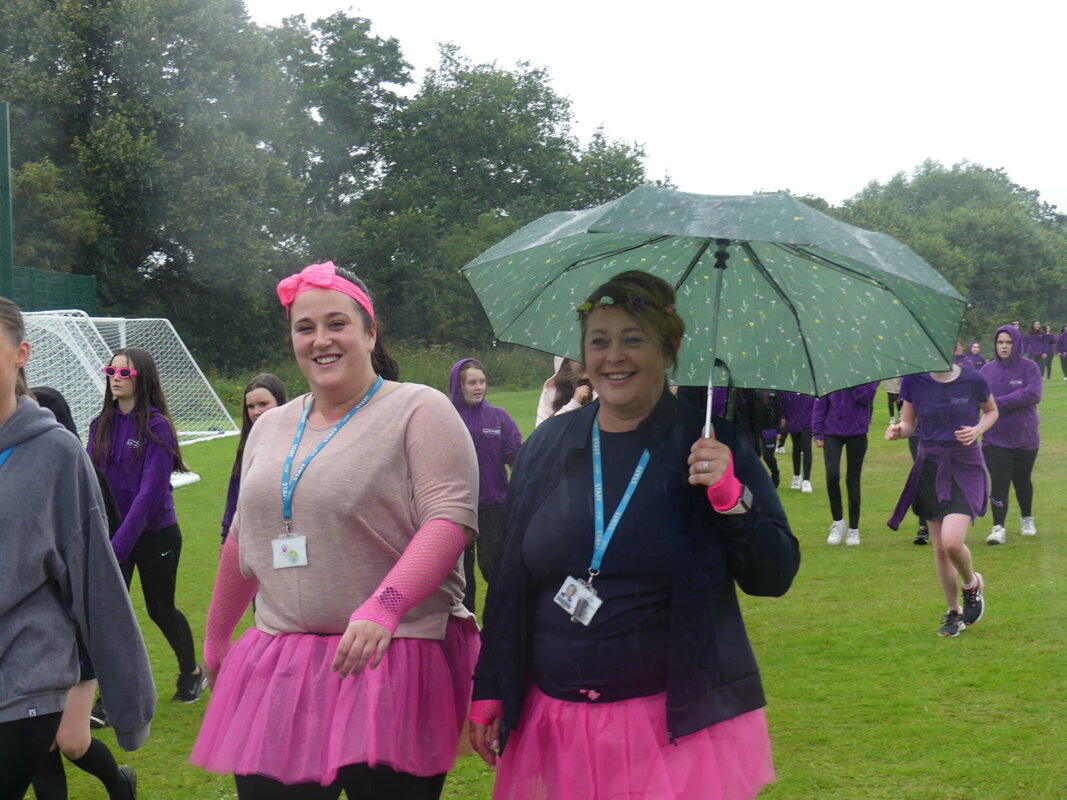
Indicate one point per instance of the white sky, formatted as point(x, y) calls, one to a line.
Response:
point(732, 96)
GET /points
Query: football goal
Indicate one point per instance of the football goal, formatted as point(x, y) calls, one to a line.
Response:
point(70, 348)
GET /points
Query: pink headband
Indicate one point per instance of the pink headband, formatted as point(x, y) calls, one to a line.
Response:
point(320, 276)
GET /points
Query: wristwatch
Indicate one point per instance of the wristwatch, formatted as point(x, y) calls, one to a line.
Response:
point(744, 503)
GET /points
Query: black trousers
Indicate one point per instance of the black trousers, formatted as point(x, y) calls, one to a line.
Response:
point(855, 449)
point(489, 548)
point(1063, 365)
point(802, 453)
point(24, 743)
point(357, 781)
point(156, 556)
point(1009, 467)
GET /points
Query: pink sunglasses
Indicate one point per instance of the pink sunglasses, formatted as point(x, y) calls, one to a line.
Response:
point(122, 372)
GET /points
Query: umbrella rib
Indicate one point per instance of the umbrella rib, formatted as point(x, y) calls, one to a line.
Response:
point(759, 266)
point(692, 263)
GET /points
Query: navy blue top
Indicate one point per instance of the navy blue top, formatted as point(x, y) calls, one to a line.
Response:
point(634, 582)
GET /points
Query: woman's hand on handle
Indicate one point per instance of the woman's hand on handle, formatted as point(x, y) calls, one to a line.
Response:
point(484, 719)
point(708, 460)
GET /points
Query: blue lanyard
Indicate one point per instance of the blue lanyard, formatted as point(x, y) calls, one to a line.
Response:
point(4, 455)
point(602, 537)
point(289, 486)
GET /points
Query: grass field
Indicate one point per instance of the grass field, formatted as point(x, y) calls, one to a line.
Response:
point(865, 701)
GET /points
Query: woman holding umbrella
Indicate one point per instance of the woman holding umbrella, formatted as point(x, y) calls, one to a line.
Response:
point(648, 650)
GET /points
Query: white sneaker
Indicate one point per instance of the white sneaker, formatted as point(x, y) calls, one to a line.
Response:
point(795, 483)
point(998, 536)
point(780, 449)
point(837, 530)
point(1028, 527)
point(805, 487)
point(892, 420)
point(853, 537)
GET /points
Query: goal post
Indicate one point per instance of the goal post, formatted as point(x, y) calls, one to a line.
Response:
point(69, 349)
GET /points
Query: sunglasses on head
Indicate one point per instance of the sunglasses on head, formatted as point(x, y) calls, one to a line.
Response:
point(122, 372)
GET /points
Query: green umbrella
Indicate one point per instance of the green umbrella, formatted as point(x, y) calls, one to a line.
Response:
point(802, 302)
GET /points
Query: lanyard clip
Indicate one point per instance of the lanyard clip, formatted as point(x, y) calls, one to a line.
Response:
point(592, 574)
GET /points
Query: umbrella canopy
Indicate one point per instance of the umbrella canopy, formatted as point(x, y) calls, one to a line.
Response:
point(805, 303)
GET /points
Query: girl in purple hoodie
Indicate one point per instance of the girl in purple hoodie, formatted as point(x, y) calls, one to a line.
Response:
point(134, 442)
point(1010, 446)
point(496, 443)
point(1061, 350)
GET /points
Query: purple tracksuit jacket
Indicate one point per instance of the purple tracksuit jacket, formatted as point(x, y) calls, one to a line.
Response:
point(796, 408)
point(1016, 386)
point(139, 474)
point(846, 412)
point(496, 440)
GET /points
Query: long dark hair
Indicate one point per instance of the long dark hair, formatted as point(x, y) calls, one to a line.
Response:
point(380, 360)
point(274, 385)
point(566, 381)
point(148, 393)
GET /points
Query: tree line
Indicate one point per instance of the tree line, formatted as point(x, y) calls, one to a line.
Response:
point(189, 158)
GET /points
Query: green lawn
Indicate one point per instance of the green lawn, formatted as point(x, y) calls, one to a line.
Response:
point(865, 700)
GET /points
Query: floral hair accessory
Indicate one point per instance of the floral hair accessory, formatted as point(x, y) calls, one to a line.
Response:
point(634, 306)
point(321, 276)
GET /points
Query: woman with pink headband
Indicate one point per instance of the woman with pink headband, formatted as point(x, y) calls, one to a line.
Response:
point(357, 673)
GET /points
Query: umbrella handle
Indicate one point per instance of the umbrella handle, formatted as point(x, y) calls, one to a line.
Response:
point(721, 255)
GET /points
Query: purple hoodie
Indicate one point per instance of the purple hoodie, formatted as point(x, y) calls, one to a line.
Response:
point(1061, 343)
point(496, 440)
point(139, 474)
point(796, 408)
point(846, 412)
point(1016, 386)
point(1033, 343)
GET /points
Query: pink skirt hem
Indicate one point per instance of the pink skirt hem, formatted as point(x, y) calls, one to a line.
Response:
point(277, 709)
point(620, 751)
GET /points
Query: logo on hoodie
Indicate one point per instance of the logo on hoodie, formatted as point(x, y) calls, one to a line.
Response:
point(134, 443)
point(491, 431)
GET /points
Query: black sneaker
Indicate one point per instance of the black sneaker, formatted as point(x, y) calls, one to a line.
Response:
point(131, 780)
point(98, 716)
point(922, 536)
point(190, 686)
point(973, 602)
point(952, 624)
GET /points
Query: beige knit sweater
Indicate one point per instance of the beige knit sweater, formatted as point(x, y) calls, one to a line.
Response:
point(403, 459)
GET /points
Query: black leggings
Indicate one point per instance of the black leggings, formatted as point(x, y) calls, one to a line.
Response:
point(1009, 467)
point(156, 557)
point(855, 448)
point(1063, 365)
point(802, 447)
point(358, 781)
point(24, 744)
point(1046, 366)
point(894, 403)
point(489, 547)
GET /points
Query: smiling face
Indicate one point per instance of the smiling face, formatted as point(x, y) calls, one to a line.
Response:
point(626, 367)
point(123, 389)
point(332, 346)
point(474, 385)
point(975, 348)
point(257, 402)
point(1004, 345)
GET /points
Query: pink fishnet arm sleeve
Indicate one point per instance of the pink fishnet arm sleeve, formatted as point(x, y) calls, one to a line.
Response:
point(426, 561)
point(233, 592)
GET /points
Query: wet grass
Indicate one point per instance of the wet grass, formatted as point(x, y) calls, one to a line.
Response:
point(865, 702)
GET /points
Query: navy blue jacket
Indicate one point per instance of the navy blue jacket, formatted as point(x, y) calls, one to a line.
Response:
point(712, 673)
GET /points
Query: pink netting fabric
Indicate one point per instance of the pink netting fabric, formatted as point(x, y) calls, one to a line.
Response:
point(610, 751)
point(426, 561)
point(233, 592)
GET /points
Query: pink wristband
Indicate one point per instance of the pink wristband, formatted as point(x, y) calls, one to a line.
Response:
point(485, 712)
point(726, 491)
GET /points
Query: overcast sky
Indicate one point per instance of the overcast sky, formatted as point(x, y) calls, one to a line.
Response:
point(816, 97)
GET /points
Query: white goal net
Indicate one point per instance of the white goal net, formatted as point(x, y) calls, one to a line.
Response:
point(70, 349)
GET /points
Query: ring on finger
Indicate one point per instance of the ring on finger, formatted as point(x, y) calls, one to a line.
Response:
point(707, 466)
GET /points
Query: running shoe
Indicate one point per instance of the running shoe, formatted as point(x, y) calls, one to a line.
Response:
point(951, 624)
point(852, 538)
point(973, 602)
point(1028, 527)
point(190, 687)
point(805, 487)
point(98, 716)
point(998, 536)
point(837, 532)
point(131, 781)
point(795, 483)
point(922, 536)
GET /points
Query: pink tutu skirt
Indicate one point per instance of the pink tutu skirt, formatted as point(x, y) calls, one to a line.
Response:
point(277, 709)
point(620, 751)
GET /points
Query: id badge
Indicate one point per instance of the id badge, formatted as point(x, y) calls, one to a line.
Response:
point(290, 551)
point(578, 599)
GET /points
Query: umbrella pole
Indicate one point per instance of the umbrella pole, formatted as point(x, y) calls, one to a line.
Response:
point(721, 255)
